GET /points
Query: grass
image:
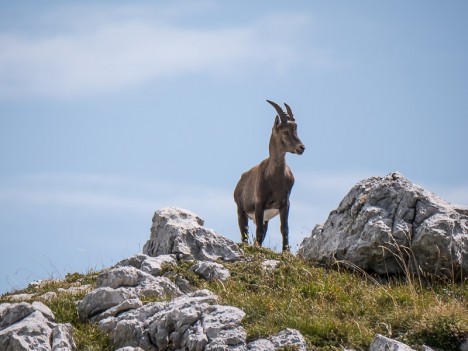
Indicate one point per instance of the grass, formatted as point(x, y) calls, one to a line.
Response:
point(343, 308)
point(333, 308)
point(86, 335)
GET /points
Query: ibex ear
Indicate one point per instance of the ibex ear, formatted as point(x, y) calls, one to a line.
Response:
point(277, 122)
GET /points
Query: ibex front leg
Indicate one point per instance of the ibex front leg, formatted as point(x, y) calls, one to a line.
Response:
point(260, 233)
point(243, 221)
point(284, 214)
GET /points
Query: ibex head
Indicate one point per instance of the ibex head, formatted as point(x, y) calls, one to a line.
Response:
point(285, 130)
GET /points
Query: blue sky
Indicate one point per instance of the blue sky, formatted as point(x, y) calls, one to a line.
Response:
point(112, 110)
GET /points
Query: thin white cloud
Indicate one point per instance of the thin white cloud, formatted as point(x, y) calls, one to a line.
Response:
point(108, 194)
point(125, 49)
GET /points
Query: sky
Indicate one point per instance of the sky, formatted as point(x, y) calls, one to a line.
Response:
point(110, 111)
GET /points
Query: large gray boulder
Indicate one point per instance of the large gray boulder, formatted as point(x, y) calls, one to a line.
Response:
point(191, 322)
point(390, 225)
point(25, 326)
point(180, 232)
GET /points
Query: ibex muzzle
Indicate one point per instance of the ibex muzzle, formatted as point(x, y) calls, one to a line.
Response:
point(263, 191)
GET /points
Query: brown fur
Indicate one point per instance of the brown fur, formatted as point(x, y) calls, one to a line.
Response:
point(265, 188)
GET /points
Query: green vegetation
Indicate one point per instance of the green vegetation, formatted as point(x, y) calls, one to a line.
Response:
point(86, 335)
point(342, 308)
point(333, 308)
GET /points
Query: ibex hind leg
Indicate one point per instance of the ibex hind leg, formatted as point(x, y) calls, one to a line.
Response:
point(243, 221)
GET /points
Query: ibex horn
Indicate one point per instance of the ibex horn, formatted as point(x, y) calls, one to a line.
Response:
point(281, 114)
point(289, 111)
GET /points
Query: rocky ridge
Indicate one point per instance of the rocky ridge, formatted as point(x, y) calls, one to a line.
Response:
point(192, 319)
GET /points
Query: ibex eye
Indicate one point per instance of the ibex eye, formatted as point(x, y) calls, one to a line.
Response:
point(285, 133)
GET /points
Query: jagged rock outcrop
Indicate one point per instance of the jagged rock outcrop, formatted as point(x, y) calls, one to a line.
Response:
point(191, 321)
point(390, 225)
point(119, 289)
point(25, 326)
point(180, 232)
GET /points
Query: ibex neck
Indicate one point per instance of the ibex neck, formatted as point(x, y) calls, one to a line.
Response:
point(277, 155)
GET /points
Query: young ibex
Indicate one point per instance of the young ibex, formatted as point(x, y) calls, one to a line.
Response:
point(263, 191)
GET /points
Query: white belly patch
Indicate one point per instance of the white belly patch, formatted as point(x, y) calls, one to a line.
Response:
point(267, 214)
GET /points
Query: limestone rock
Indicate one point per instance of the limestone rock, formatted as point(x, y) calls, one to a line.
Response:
point(289, 337)
point(100, 300)
point(260, 345)
point(148, 264)
point(139, 282)
point(62, 339)
point(381, 342)
point(121, 277)
point(285, 338)
point(270, 264)
point(211, 270)
point(25, 326)
point(189, 321)
point(180, 232)
point(118, 290)
point(389, 225)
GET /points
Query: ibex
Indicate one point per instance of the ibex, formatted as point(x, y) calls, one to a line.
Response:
point(263, 191)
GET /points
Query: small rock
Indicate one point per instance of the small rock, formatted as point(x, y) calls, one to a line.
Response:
point(157, 286)
point(381, 342)
point(137, 281)
point(183, 284)
point(121, 307)
point(211, 270)
point(102, 299)
point(48, 295)
point(134, 261)
point(148, 264)
point(153, 265)
point(121, 277)
point(270, 264)
point(260, 345)
point(289, 337)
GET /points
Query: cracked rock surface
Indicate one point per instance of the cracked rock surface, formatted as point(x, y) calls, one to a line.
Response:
point(192, 322)
point(180, 232)
point(25, 326)
point(385, 224)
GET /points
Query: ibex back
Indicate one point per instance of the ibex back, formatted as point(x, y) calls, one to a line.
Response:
point(263, 191)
